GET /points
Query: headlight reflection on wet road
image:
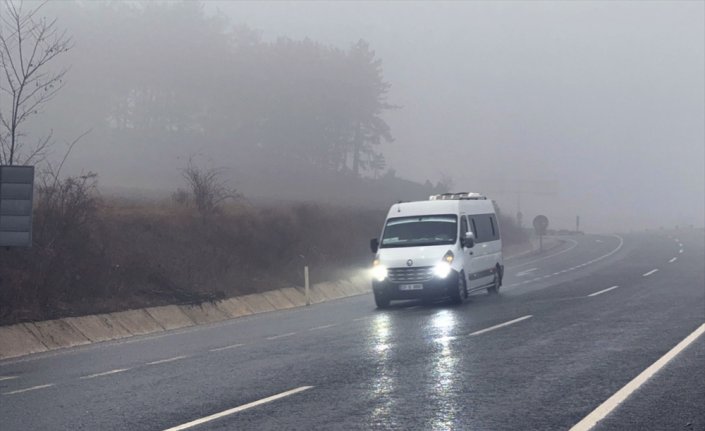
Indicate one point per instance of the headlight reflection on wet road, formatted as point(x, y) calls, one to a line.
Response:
point(384, 383)
point(444, 373)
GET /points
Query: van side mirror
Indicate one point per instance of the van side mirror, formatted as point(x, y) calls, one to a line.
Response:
point(468, 241)
point(374, 245)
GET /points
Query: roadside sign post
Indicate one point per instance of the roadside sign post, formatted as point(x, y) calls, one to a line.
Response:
point(16, 195)
point(540, 226)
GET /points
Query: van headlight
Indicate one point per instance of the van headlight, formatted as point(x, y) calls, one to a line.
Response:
point(379, 271)
point(442, 269)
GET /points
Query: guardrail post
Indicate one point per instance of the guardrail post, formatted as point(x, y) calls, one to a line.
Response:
point(306, 288)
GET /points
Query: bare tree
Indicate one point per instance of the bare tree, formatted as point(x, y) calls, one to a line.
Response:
point(208, 188)
point(28, 44)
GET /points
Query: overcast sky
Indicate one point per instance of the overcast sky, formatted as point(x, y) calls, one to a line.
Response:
point(602, 103)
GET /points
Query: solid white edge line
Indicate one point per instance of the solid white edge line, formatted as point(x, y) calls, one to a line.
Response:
point(106, 373)
point(163, 361)
point(501, 325)
point(317, 328)
point(653, 271)
point(19, 391)
point(238, 409)
point(232, 346)
point(615, 400)
point(600, 292)
point(274, 337)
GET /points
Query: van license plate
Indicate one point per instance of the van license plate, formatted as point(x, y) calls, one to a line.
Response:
point(410, 286)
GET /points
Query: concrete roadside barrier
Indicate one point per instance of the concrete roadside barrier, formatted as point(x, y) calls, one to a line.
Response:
point(234, 307)
point(55, 334)
point(325, 291)
point(98, 327)
point(137, 322)
point(333, 291)
point(294, 295)
point(35, 337)
point(277, 299)
point(204, 313)
point(17, 340)
point(257, 303)
point(170, 317)
point(348, 288)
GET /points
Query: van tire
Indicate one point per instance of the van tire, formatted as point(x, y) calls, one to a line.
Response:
point(381, 301)
point(493, 289)
point(460, 294)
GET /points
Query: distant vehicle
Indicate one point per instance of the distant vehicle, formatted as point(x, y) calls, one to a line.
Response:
point(448, 246)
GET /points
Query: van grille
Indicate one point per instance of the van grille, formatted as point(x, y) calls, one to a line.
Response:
point(410, 275)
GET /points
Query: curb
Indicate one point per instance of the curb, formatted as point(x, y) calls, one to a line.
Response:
point(23, 339)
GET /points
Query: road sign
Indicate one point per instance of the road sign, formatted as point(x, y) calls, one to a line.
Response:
point(540, 224)
point(16, 193)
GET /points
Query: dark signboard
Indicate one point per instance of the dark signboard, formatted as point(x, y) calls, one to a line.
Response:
point(16, 193)
point(540, 224)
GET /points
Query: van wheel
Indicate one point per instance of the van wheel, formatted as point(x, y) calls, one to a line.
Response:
point(460, 294)
point(381, 301)
point(493, 289)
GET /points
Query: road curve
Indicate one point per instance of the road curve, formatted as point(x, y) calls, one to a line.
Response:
point(572, 327)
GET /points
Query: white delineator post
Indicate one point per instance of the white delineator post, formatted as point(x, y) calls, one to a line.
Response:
point(308, 295)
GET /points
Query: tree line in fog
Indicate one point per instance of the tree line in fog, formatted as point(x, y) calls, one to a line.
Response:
point(171, 74)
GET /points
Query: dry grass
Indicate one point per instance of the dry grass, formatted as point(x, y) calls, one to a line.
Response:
point(130, 254)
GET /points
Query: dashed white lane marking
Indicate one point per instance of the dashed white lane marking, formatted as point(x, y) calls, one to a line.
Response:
point(680, 251)
point(361, 318)
point(600, 292)
point(106, 373)
point(33, 388)
point(2, 378)
point(275, 337)
point(232, 346)
point(598, 240)
point(317, 328)
point(615, 400)
point(525, 272)
point(680, 245)
point(238, 409)
point(164, 361)
point(653, 271)
point(501, 325)
point(673, 259)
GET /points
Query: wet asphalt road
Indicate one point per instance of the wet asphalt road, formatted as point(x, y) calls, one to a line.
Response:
point(414, 366)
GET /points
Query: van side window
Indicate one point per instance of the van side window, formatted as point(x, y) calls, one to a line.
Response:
point(485, 227)
point(474, 230)
point(463, 226)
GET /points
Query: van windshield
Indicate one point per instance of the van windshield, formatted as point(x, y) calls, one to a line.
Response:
point(420, 230)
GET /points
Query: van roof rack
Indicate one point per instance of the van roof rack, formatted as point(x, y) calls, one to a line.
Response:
point(457, 196)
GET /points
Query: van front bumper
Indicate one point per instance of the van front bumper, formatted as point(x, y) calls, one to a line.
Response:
point(433, 288)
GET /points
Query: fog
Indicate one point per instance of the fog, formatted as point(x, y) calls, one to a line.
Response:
point(594, 109)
